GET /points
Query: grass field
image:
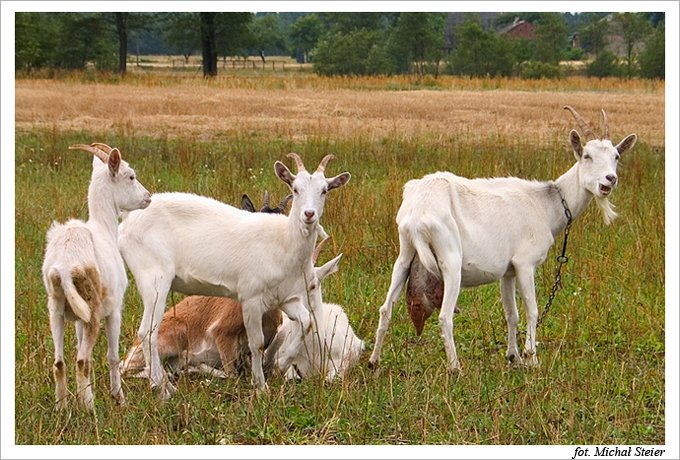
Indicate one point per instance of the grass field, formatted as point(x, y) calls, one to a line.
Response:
point(601, 377)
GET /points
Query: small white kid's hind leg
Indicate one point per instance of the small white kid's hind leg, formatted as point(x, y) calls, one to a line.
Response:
point(84, 363)
point(56, 309)
point(399, 275)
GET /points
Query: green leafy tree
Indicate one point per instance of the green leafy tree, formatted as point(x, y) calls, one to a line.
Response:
point(83, 38)
point(33, 40)
point(233, 34)
point(418, 41)
point(605, 65)
point(551, 37)
point(266, 34)
point(360, 52)
point(653, 58)
point(182, 33)
point(634, 29)
point(594, 35)
point(305, 33)
point(480, 52)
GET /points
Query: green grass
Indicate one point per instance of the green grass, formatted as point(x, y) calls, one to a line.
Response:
point(601, 375)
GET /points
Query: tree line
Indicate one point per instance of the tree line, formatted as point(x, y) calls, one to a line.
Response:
point(350, 43)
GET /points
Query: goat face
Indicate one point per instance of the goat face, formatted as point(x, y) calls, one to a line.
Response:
point(309, 190)
point(598, 161)
point(128, 193)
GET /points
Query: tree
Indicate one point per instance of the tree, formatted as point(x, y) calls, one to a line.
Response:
point(122, 32)
point(594, 35)
point(266, 34)
point(634, 28)
point(551, 37)
point(233, 34)
point(418, 41)
point(653, 59)
point(208, 44)
point(360, 52)
point(605, 65)
point(182, 33)
point(480, 52)
point(305, 33)
point(32, 46)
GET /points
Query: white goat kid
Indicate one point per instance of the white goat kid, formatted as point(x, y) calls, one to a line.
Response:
point(329, 348)
point(471, 232)
point(84, 274)
point(197, 245)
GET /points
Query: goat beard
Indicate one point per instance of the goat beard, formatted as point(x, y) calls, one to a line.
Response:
point(607, 209)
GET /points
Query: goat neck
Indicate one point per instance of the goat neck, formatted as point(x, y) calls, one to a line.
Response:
point(576, 196)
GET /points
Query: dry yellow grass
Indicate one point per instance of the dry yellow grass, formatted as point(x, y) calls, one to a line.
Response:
point(300, 110)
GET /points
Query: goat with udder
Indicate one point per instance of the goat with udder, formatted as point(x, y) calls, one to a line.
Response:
point(329, 349)
point(470, 232)
point(84, 274)
point(205, 333)
point(197, 245)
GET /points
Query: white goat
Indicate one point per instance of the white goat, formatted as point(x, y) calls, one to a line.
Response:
point(84, 274)
point(476, 231)
point(198, 245)
point(330, 347)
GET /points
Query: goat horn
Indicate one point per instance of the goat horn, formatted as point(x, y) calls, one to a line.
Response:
point(265, 200)
point(103, 147)
point(605, 122)
point(284, 202)
point(317, 250)
point(324, 162)
point(92, 149)
point(298, 161)
point(585, 127)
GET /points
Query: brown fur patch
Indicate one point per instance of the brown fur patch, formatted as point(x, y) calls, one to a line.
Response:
point(88, 285)
point(84, 367)
point(59, 369)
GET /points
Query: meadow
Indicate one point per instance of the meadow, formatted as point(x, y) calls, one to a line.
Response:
point(601, 378)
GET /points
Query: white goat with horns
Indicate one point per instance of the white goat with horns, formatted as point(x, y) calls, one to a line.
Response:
point(471, 232)
point(200, 246)
point(84, 274)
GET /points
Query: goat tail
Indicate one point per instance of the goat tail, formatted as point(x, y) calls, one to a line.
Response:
point(420, 236)
point(65, 280)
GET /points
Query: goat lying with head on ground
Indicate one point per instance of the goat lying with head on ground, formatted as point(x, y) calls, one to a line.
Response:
point(470, 232)
point(329, 348)
point(84, 275)
point(197, 245)
point(205, 333)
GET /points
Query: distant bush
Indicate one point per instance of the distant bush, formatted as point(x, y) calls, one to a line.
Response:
point(536, 70)
point(360, 52)
point(606, 65)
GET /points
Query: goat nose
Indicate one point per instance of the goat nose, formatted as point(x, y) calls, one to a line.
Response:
point(611, 178)
point(309, 214)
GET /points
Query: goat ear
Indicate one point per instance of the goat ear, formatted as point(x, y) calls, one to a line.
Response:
point(328, 268)
point(575, 140)
point(627, 143)
point(114, 162)
point(338, 181)
point(284, 173)
point(247, 204)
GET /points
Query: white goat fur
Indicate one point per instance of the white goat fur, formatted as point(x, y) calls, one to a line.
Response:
point(476, 231)
point(330, 347)
point(198, 245)
point(84, 275)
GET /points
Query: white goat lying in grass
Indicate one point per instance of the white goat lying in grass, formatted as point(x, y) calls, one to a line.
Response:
point(197, 245)
point(476, 231)
point(84, 274)
point(330, 348)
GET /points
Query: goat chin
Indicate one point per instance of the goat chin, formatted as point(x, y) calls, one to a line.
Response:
point(607, 209)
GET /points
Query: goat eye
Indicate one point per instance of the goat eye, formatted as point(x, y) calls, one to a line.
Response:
point(132, 177)
point(617, 157)
point(324, 191)
point(586, 157)
point(295, 191)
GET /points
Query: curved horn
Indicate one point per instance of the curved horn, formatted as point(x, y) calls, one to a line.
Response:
point(298, 161)
point(317, 250)
point(585, 127)
point(324, 162)
point(265, 200)
point(284, 202)
point(605, 122)
point(92, 149)
point(103, 147)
